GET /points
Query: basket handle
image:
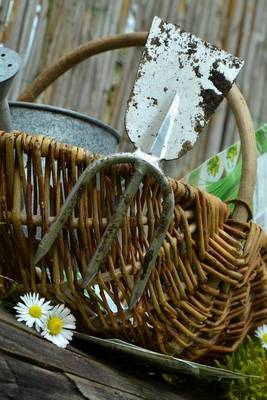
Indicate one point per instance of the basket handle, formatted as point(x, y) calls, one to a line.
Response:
point(235, 99)
point(246, 131)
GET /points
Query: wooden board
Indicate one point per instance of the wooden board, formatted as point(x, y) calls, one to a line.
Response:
point(32, 368)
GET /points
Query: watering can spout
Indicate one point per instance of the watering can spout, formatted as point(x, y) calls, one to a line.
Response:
point(10, 63)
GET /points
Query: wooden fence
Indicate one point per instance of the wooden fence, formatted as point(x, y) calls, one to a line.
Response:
point(43, 30)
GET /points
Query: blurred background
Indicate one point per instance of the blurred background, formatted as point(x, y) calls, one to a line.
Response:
point(43, 30)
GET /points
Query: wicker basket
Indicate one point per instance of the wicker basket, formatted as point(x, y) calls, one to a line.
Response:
point(209, 285)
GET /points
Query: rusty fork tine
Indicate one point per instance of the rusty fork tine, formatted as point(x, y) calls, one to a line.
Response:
point(100, 255)
point(166, 217)
point(115, 223)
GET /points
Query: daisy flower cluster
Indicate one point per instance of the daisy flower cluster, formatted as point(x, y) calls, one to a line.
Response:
point(54, 323)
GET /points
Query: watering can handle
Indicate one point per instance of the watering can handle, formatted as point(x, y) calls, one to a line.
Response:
point(234, 97)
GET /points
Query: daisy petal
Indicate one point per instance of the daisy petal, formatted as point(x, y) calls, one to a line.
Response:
point(57, 326)
point(31, 310)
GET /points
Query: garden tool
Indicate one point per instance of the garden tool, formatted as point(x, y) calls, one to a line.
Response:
point(180, 82)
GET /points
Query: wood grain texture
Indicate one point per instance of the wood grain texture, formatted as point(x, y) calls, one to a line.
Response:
point(32, 368)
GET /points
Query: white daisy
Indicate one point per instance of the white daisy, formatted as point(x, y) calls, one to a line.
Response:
point(58, 326)
point(261, 333)
point(32, 310)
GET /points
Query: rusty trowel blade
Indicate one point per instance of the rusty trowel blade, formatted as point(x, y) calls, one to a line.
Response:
point(177, 64)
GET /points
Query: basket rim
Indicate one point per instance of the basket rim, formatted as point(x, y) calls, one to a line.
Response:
point(67, 112)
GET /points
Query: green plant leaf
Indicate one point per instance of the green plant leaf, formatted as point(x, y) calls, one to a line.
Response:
point(163, 362)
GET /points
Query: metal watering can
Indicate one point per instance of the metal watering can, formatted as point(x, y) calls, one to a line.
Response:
point(63, 125)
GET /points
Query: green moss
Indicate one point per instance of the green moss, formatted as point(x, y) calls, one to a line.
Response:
point(250, 359)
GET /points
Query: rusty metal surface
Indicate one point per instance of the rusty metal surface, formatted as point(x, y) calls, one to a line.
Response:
point(175, 62)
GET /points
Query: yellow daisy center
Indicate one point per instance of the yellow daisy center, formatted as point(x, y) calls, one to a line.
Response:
point(264, 337)
point(35, 311)
point(54, 325)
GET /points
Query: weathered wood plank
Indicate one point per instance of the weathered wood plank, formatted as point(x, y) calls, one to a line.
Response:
point(39, 369)
point(21, 380)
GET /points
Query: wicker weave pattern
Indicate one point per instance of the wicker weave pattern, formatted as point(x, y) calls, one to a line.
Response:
point(209, 286)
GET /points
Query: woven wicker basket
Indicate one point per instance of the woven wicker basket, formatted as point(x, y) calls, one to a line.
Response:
point(209, 285)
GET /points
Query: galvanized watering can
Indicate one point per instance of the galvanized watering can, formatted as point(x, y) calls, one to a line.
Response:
point(61, 124)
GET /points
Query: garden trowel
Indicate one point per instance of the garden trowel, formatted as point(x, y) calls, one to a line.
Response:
point(180, 82)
